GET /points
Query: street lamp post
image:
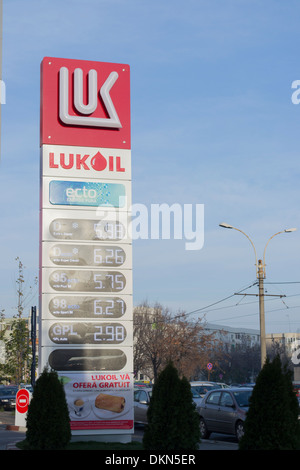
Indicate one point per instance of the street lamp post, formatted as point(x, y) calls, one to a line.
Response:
point(261, 275)
point(261, 299)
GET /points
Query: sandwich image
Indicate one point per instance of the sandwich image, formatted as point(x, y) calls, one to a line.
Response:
point(110, 403)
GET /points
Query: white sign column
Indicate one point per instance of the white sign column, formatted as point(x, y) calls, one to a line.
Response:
point(86, 331)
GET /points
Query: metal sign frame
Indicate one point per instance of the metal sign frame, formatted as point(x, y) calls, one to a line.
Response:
point(85, 310)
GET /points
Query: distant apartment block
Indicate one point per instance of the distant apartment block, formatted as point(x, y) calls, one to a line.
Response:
point(233, 338)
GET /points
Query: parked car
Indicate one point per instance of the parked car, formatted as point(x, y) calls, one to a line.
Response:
point(197, 398)
point(8, 397)
point(224, 411)
point(142, 384)
point(142, 396)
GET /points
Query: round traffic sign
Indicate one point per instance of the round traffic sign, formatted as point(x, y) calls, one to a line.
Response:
point(22, 400)
point(209, 366)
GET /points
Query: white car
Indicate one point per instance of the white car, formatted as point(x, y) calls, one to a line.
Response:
point(202, 387)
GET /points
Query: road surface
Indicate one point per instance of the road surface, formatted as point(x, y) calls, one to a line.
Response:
point(8, 437)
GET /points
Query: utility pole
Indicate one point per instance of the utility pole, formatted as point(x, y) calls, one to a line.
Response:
point(261, 294)
point(33, 345)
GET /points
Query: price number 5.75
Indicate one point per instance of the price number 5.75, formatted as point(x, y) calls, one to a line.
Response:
point(115, 281)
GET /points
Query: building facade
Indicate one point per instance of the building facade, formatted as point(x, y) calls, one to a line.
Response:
point(233, 338)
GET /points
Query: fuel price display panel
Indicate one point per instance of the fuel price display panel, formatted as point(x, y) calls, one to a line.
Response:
point(87, 333)
point(90, 226)
point(88, 359)
point(85, 255)
point(87, 307)
point(85, 280)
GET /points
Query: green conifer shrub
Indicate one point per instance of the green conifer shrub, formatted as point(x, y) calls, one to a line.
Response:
point(272, 420)
point(173, 422)
point(48, 422)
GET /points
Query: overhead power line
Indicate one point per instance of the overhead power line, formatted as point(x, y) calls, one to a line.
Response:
point(217, 302)
point(208, 308)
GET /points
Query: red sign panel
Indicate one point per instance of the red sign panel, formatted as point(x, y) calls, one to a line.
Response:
point(22, 400)
point(85, 103)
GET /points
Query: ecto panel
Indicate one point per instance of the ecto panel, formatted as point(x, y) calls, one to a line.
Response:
point(72, 193)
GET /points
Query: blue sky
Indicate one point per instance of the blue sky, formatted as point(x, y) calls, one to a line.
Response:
point(212, 123)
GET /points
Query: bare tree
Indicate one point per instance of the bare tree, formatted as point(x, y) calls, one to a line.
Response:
point(160, 337)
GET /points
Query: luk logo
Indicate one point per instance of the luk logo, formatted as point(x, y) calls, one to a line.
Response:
point(87, 162)
point(84, 117)
point(85, 103)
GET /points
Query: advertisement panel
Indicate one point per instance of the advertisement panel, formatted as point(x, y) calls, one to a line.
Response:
point(105, 195)
point(99, 401)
